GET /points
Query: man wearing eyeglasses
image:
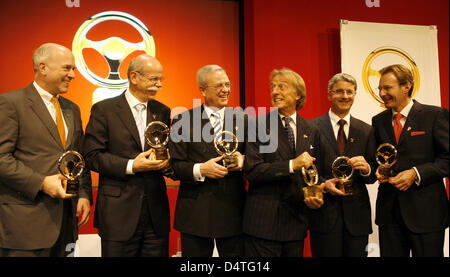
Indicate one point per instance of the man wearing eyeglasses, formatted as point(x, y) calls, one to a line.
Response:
point(211, 196)
point(341, 227)
point(132, 212)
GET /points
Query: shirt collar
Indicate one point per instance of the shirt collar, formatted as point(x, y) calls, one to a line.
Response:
point(335, 118)
point(406, 109)
point(210, 109)
point(45, 95)
point(292, 116)
point(133, 101)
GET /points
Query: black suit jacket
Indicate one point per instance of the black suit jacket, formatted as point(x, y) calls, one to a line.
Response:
point(112, 139)
point(212, 208)
point(424, 144)
point(355, 208)
point(30, 147)
point(274, 209)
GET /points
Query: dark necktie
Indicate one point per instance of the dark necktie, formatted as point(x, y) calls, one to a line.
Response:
point(341, 140)
point(290, 133)
point(397, 126)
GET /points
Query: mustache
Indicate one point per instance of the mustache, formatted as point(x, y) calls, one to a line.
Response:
point(154, 88)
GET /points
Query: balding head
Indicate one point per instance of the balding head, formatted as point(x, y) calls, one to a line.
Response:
point(145, 77)
point(45, 52)
point(141, 62)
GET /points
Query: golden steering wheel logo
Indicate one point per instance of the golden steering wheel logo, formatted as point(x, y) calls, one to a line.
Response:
point(113, 49)
point(368, 71)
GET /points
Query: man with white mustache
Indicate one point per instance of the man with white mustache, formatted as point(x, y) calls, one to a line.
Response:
point(341, 227)
point(132, 212)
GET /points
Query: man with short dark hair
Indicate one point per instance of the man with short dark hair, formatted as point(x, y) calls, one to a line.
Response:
point(412, 206)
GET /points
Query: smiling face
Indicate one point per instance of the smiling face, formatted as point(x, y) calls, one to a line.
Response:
point(394, 95)
point(283, 95)
point(217, 89)
point(57, 71)
point(341, 96)
point(145, 77)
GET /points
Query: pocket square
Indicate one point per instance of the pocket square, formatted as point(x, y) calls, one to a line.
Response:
point(417, 133)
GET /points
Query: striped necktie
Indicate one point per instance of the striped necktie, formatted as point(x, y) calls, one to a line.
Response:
point(140, 122)
point(216, 124)
point(290, 133)
point(59, 121)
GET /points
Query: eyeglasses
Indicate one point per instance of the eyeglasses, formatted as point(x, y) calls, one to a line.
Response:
point(341, 92)
point(152, 79)
point(220, 86)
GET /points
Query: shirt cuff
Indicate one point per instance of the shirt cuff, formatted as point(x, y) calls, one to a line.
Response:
point(291, 169)
point(365, 175)
point(196, 172)
point(129, 169)
point(417, 180)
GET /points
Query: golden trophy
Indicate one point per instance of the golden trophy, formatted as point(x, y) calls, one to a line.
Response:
point(157, 136)
point(226, 144)
point(343, 171)
point(71, 165)
point(386, 157)
point(311, 178)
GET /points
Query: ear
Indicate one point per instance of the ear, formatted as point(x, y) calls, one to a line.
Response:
point(203, 91)
point(42, 68)
point(329, 96)
point(407, 87)
point(133, 78)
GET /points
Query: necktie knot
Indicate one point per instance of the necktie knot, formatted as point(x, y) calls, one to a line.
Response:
point(54, 99)
point(398, 116)
point(341, 122)
point(140, 107)
point(287, 120)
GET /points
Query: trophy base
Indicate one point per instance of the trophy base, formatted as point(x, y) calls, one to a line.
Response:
point(386, 171)
point(347, 188)
point(72, 187)
point(313, 191)
point(230, 161)
point(161, 154)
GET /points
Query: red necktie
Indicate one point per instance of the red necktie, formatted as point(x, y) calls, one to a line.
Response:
point(397, 126)
point(341, 140)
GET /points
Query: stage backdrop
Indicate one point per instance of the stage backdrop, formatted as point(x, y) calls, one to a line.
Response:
point(183, 35)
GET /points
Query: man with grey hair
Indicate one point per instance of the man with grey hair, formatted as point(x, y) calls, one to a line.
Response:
point(132, 212)
point(211, 196)
point(340, 228)
point(37, 125)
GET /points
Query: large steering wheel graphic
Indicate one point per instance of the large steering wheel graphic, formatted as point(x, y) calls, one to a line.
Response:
point(113, 49)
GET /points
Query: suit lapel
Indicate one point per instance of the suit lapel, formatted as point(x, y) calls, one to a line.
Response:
point(38, 107)
point(126, 116)
point(387, 125)
point(302, 137)
point(410, 123)
point(328, 132)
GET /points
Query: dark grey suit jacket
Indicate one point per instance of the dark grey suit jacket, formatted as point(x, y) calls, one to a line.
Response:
point(274, 209)
point(212, 208)
point(30, 147)
point(111, 139)
point(356, 208)
point(424, 144)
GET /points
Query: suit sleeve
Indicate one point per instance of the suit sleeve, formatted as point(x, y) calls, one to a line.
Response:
point(434, 171)
point(95, 146)
point(14, 173)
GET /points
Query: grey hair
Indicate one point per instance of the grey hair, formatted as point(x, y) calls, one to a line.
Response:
point(341, 77)
point(42, 54)
point(201, 73)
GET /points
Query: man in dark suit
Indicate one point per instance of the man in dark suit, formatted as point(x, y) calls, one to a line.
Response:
point(37, 125)
point(275, 215)
point(412, 206)
point(211, 196)
point(132, 212)
point(341, 227)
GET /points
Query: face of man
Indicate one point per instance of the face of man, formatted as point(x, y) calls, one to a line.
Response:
point(283, 95)
point(341, 96)
point(147, 82)
point(394, 95)
point(58, 71)
point(217, 89)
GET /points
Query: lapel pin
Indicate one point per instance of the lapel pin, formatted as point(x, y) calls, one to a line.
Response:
point(409, 129)
point(352, 140)
point(305, 136)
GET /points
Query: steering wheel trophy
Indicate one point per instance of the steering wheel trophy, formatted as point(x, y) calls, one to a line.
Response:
point(113, 49)
point(311, 178)
point(71, 165)
point(343, 171)
point(157, 136)
point(226, 144)
point(386, 157)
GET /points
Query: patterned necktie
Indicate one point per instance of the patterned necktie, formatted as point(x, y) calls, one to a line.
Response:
point(59, 121)
point(290, 133)
point(216, 123)
point(341, 139)
point(140, 122)
point(397, 126)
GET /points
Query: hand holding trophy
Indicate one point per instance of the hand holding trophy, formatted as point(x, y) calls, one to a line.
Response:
point(386, 157)
point(226, 144)
point(157, 137)
point(343, 171)
point(71, 165)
